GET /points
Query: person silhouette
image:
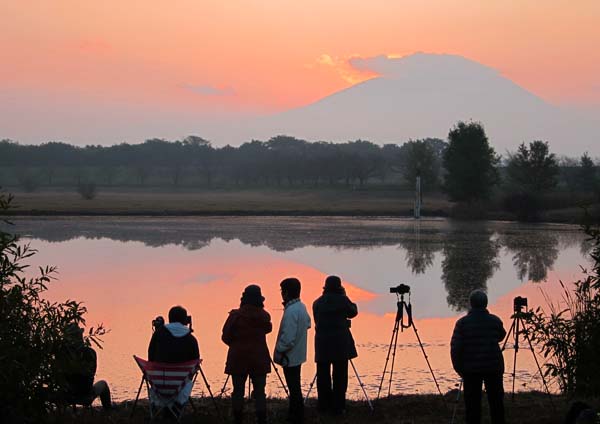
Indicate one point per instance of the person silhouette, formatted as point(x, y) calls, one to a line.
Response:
point(334, 345)
point(477, 358)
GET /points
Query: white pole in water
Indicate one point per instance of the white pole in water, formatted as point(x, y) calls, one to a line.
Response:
point(418, 199)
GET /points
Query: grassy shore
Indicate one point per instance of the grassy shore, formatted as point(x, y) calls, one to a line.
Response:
point(227, 202)
point(301, 201)
point(530, 408)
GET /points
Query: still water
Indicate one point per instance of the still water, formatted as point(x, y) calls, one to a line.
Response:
point(129, 270)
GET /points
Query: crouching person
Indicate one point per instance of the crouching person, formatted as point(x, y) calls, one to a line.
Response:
point(290, 349)
point(477, 358)
point(173, 343)
point(245, 333)
point(78, 364)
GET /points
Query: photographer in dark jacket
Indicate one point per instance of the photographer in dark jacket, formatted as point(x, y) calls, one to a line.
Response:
point(334, 345)
point(245, 332)
point(174, 342)
point(477, 358)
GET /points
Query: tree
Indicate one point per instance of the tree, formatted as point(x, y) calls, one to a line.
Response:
point(31, 333)
point(470, 163)
point(420, 158)
point(587, 173)
point(534, 169)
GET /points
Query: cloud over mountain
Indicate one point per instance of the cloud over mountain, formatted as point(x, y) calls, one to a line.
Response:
point(424, 95)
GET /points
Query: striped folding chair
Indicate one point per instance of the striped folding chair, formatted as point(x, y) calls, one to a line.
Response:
point(164, 383)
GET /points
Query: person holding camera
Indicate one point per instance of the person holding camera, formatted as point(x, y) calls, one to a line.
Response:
point(245, 332)
point(334, 345)
point(173, 343)
point(290, 348)
point(477, 358)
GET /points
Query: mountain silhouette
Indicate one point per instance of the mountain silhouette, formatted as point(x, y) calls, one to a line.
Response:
point(424, 95)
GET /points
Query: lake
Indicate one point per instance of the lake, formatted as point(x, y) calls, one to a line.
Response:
point(129, 270)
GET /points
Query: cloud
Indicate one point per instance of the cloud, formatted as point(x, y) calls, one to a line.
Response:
point(392, 65)
point(209, 90)
point(342, 67)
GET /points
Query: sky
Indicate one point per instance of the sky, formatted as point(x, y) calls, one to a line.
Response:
point(70, 67)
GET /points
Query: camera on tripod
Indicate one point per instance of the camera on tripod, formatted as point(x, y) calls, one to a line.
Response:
point(400, 289)
point(157, 322)
point(519, 303)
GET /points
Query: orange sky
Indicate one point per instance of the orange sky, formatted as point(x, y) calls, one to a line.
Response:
point(273, 54)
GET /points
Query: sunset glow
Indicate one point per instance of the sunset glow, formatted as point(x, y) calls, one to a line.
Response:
point(83, 64)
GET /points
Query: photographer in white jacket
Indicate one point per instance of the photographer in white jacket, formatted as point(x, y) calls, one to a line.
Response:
point(290, 349)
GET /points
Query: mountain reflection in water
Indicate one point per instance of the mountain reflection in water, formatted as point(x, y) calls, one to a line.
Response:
point(128, 270)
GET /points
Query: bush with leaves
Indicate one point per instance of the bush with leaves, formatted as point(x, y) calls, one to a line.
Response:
point(31, 332)
point(570, 336)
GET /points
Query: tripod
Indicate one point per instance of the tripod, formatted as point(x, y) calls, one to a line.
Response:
point(518, 327)
point(283, 386)
point(361, 384)
point(399, 326)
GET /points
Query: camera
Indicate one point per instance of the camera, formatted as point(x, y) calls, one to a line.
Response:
point(400, 289)
point(158, 322)
point(520, 303)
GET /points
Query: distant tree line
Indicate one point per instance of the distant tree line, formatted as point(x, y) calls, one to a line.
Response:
point(466, 167)
point(280, 161)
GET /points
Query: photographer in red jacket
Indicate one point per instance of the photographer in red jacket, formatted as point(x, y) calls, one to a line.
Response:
point(245, 333)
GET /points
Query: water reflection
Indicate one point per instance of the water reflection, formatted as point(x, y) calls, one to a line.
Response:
point(532, 256)
point(470, 260)
point(130, 270)
point(420, 249)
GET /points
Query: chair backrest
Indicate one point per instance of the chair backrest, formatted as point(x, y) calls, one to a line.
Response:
point(167, 380)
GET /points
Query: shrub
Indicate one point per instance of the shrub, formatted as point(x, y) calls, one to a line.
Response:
point(31, 330)
point(570, 336)
point(87, 190)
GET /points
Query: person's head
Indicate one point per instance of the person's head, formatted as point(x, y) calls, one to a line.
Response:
point(333, 284)
point(290, 289)
point(252, 296)
point(478, 299)
point(178, 314)
point(74, 333)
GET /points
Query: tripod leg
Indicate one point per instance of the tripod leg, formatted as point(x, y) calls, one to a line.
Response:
point(514, 373)
point(393, 359)
point(283, 386)
point(512, 328)
point(428, 363)
point(209, 391)
point(224, 386)
point(456, 403)
point(387, 358)
point(310, 387)
point(362, 386)
point(539, 368)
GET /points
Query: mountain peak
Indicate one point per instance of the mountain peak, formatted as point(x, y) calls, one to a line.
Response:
point(422, 64)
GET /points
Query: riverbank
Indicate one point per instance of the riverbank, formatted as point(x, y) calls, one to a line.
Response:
point(258, 202)
point(530, 408)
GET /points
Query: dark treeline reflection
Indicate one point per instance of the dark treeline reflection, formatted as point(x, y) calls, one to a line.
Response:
point(469, 250)
point(533, 256)
point(421, 247)
point(470, 260)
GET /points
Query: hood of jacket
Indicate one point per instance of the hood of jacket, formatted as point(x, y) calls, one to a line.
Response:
point(177, 329)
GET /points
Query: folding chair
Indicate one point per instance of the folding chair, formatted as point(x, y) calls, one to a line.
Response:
point(164, 383)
